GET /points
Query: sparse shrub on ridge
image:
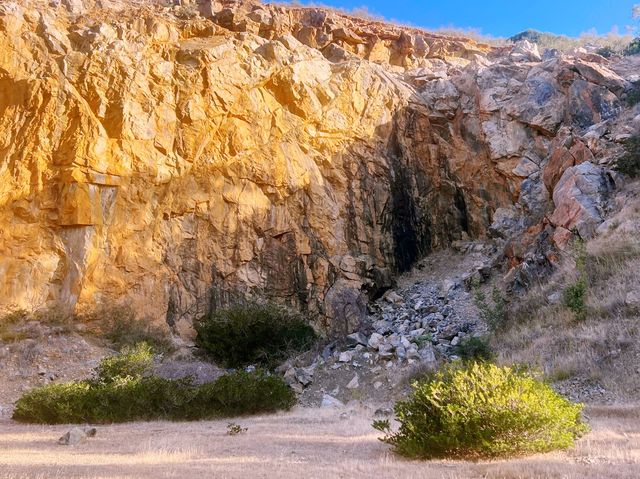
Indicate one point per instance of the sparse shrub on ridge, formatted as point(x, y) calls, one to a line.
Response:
point(260, 334)
point(575, 297)
point(124, 391)
point(493, 312)
point(482, 410)
point(629, 163)
point(632, 48)
point(474, 349)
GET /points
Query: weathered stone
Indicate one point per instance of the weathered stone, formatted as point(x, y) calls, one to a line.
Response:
point(580, 198)
point(258, 152)
point(374, 340)
point(356, 338)
point(76, 436)
point(346, 356)
point(330, 402)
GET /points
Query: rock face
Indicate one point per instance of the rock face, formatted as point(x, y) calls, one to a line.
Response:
point(176, 157)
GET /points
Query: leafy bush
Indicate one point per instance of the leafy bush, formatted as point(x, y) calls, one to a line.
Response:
point(633, 48)
point(123, 391)
point(122, 328)
point(629, 163)
point(575, 297)
point(633, 94)
point(262, 334)
point(474, 349)
point(493, 313)
point(133, 362)
point(606, 52)
point(241, 393)
point(482, 410)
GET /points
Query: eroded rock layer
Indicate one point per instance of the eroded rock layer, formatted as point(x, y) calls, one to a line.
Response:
point(175, 157)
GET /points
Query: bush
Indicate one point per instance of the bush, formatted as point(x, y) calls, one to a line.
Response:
point(633, 94)
point(482, 410)
point(474, 349)
point(633, 48)
point(123, 392)
point(133, 362)
point(575, 297)
point(629, 163)
point(493, 313)
point(261, 334)
point(606, 52)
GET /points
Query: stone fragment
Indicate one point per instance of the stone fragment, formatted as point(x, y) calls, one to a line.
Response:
point(77, 435)
point(330, 402)
point(346, 356)
point(374, 340)
point(356, 339)
point(353, 384)
point(580, 198)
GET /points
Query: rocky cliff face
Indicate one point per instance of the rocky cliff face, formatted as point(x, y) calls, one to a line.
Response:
point(176, 157)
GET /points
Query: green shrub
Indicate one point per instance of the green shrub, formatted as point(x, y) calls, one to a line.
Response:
point(629, 163)
point(135, 362)
point(241, 393)
point(575, 297)
point(261, 334)
point(482, 410)
point(633, 48)
point(474, 349)
point(606, 51)
point(495, 312)
point(123, 391)
point(633, 94)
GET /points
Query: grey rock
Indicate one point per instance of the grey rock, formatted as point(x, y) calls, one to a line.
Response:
point(356, 339)
point(331, 402)
point(353, 384)
point(580, 198)
point(385, 351)
point(375, 340)
point(346, 356)
point(427, 354)
point(393, 297)
point(76, 436)
point(555, 298)
point(304, 376)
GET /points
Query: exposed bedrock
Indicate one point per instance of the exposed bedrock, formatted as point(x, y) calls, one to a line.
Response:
point(176, 161)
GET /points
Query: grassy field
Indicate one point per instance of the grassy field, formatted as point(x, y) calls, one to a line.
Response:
point(307, 443)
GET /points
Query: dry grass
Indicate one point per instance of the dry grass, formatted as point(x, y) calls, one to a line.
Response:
point(605, 348)
point(306, 443)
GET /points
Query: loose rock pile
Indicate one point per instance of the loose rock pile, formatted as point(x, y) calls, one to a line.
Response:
point(410, 328)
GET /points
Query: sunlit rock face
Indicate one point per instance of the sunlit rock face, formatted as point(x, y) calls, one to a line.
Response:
point(176, 157)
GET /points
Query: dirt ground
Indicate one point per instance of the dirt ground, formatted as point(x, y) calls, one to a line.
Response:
point(305, 443)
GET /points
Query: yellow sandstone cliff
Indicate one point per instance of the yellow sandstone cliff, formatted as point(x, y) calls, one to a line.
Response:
point(174, 157)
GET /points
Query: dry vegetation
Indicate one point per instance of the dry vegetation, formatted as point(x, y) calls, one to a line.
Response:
point(604, 348)
point(304, 443)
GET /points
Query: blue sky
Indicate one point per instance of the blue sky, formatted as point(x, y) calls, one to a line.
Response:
point(503, 17)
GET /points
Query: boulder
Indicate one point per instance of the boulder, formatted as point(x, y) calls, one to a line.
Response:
point(77, 435)
point(525, 51)
point(330, 402)
point(580, 198)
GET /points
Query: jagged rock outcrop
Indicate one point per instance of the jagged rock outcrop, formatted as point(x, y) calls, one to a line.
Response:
point(177, 156)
